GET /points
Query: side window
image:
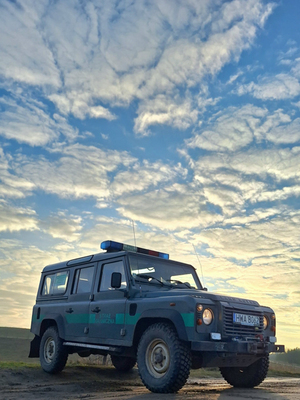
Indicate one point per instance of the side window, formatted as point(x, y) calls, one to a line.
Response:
point(83, 280)
point(107, 270)
point(55, 284)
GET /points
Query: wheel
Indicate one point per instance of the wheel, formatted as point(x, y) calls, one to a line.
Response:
point(53, 354)
point(164, 361)
point(247, 377)
point(123, 364)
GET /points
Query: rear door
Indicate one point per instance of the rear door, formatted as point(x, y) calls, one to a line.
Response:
point(108, 306)
point(77, 307)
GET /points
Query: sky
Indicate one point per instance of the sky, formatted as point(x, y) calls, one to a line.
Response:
point(174, 122)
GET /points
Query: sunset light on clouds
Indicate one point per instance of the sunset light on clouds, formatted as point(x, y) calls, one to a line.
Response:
point(180, 117)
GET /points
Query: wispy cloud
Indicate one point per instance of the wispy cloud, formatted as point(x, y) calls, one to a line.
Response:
point(17, 218)
point(63, 226)
point(82, 54)
point(281, 86)
point(28, 121)
point(79, 172)
point(165, 111)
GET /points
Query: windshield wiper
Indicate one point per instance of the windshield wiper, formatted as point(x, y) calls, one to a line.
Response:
point(147, 277)
point(179, 283)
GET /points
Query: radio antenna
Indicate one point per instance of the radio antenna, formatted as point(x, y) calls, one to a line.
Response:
point(198, 258)
point(133, 229)
point(132, 222)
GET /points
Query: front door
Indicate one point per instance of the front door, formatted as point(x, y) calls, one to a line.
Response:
point(108, 306)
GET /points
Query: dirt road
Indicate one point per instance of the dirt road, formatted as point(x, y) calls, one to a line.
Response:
point(106, 383)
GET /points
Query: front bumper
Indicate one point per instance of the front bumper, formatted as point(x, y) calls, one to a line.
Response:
point(238, 347)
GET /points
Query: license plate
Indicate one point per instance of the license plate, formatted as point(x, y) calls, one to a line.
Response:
point(245, 319)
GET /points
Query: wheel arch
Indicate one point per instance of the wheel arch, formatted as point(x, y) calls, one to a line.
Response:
point(55, 320)
point(150, 317)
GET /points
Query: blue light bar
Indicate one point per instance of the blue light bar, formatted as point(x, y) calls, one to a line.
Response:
point(111, 246)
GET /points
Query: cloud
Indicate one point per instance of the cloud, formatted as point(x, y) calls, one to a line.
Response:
point(165, 111)
point(20, 269)
point(250, 176)
point(63, 226)
point(82, 55)
point(232, 130)
point(220, 190)
point(79, 171)
point(272, 237)
point(106, 228)
point(25, 56)
point(27, 121)
point(281, 86)
point(79, 107)
point(236, 128)
point(17, 218)
point(173, 207)
point(12, 186)
point(285, 133)
point(145, 175)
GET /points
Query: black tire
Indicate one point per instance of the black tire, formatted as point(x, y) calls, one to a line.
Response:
point(123, 364)
point(247, 377)
point(53, 354)
point(164, 361)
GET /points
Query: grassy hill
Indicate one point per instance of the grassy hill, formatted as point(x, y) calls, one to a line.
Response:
point(16, 333)
point(15, 345)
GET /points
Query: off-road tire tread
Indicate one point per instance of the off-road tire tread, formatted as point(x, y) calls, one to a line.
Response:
point(182, 360)
point(61, 355)
point(250, 377)
point(123, 364)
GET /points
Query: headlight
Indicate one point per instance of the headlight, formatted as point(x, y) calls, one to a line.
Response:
point(266, 322)
point(207, 316)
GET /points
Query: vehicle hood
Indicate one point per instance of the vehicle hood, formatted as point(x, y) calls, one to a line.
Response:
point(199, 294)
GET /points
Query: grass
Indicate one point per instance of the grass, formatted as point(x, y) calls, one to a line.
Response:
point(18, 365)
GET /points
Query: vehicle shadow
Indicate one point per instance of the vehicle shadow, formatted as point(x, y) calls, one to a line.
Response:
point(207, 394)
point(254, 393)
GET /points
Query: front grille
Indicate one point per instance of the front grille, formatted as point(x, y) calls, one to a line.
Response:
point(234, 330)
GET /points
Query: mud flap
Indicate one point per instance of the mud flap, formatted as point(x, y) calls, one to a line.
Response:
point(35, 347)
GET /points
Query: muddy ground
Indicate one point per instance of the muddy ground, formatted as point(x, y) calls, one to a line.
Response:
point(97, 382)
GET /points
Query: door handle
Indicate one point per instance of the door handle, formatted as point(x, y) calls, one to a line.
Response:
point(69, 311)
point(96, 310)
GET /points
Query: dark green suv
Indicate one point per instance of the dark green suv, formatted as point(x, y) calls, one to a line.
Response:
point(138, 306)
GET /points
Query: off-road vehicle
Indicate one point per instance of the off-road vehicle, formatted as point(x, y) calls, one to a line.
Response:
point(140, 307)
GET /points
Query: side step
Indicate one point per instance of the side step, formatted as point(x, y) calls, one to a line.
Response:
point(92, 346)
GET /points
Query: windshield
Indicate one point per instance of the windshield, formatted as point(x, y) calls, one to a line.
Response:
point(154, 270)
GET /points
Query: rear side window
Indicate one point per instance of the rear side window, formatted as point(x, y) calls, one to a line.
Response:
point(83, 280)
point(55, 284)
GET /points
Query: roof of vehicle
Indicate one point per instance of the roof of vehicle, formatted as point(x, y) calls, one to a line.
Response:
point(83, 260)
point(99, 257)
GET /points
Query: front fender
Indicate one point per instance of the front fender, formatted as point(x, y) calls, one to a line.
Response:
point(171, 315)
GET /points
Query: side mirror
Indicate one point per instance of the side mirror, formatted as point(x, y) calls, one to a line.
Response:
point(116, 280)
